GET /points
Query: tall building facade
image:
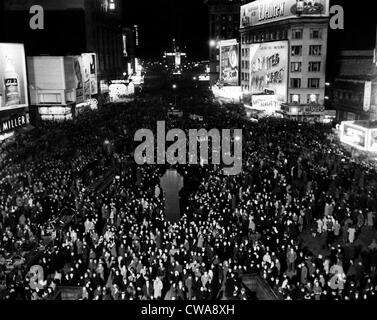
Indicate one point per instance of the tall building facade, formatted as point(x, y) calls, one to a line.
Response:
point(284, 54)
point(224, 22)
point(70, 27)
point(354, 89)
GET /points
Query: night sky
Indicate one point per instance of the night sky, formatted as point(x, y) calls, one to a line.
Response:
point(162, 20)
point(187, 20)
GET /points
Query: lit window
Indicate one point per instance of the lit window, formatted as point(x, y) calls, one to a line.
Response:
point(296, 67)
point(112, 4)
point(296, 51)
point(315, 50)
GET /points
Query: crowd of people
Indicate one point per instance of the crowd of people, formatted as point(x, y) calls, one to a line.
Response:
point(301, 215)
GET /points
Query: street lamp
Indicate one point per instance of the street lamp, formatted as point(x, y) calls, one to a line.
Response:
point(212, 43)
point(175, 96)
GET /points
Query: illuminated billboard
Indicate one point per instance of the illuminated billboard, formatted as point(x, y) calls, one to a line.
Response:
point(269, 70)
point(268, 103)
point(354, 135)
point(267, 11)
point(229, 62)
point(79, 78)
point(89, 64)
point(13, 79)
point(373, 140)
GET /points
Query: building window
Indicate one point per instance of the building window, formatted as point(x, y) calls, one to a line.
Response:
point(295, 83)
point(296, 51)
point(296, 66)
point(297, 34)
point(313, 98)
point(316, 34)
point(313, 83)
point(314, 66)
point(295, 98)
point(315, 50)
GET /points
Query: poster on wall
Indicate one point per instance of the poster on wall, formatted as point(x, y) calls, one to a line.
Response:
point(269, 70)
point(79, 76)
point(13, 79)
point(266, 11)
point(229, 62)
point(90, 74)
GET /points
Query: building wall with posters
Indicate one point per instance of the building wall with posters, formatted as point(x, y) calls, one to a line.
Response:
point(89, 26)
point(61, 86)
point(354, 91)
point(303, 27)
point(224, 21)
point(229, 62)
point(14, 99)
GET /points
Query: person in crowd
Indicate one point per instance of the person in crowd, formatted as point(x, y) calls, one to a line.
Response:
point(110, 239)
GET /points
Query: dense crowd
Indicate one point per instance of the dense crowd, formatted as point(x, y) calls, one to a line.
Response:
point(301, 215)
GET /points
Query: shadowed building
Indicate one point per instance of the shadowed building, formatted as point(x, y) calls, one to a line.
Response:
point(224, 22)
point(70, 28)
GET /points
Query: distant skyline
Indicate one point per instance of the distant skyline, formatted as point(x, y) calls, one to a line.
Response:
point(187, 20)
point(162, 20)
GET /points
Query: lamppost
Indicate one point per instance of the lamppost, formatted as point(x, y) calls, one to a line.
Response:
point(175, 95)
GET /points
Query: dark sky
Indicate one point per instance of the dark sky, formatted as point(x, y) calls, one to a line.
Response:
point(187, 20)
point(162, 20)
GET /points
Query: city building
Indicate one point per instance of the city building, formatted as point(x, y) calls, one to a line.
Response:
point(130, 48)
point(354, 91)
point(14, 98)
point(90, 26)
point(224, 22)
point(283, 56)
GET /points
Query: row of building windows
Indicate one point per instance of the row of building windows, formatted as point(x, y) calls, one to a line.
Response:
point(348, 96)
point(313, 83)
point(224, 31)
point(295, 83)
point(310, 99)
point(297, 34)
point(312, 67)
point(314, 50)
point(225, 18)
point(262, 37)
point(296, 51)
point(295, 66)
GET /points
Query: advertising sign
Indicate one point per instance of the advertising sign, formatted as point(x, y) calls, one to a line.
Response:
point(229, 62)
point(12, 123)
point(13, 79)
point(367, 95)
point(266, 11)
point(269, 69)
point(93, 73)
point(373, 140)
point(79, 78)
point(265, 102)
point(354, 136)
